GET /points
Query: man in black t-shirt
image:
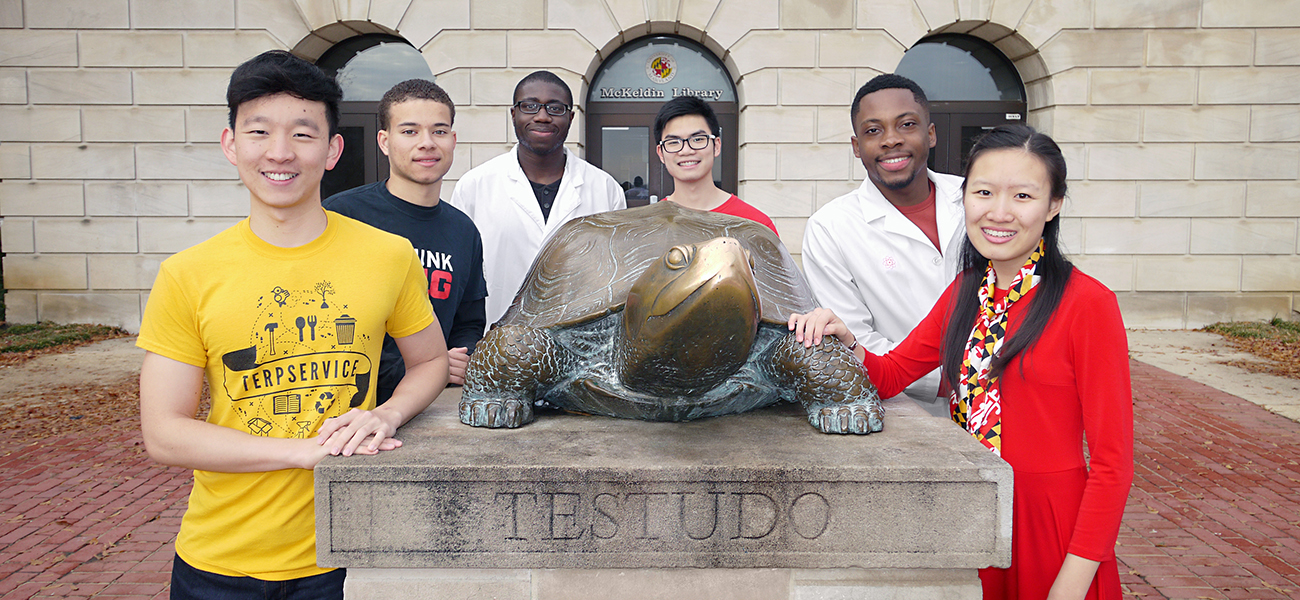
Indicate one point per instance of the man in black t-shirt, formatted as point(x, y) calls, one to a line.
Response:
point(416, 135)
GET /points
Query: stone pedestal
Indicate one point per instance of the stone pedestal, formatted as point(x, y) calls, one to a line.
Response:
point(753, 506)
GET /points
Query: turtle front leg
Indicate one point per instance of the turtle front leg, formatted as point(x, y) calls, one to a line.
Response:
point(830, 384)
point(508, 367)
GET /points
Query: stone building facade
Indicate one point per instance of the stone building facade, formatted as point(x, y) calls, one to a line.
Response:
point(1180, 120)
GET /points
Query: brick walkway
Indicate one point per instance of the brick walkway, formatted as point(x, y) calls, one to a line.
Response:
point(1214, 512)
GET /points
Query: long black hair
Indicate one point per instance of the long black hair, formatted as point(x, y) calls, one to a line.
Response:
point(1053, 268)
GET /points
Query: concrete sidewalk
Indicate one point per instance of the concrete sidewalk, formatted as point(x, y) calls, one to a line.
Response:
point(1214, 511)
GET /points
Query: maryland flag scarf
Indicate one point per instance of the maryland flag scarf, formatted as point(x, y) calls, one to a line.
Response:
point(977, 404)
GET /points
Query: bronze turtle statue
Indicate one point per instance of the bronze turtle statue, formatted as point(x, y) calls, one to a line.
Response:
point(662, 313)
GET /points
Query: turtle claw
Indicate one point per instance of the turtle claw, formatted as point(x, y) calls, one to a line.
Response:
point(495, 414)
point(846, 419)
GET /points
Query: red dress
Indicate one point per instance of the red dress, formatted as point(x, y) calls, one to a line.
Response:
point(1073, 381)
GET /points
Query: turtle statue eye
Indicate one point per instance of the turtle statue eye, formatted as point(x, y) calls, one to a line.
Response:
point(679, 257)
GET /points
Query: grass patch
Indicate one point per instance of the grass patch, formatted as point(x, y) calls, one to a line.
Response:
point(1277, 341)
point(39, 336)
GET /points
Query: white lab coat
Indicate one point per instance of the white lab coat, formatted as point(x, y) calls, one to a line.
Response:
point(498, 197)
point(878, 271)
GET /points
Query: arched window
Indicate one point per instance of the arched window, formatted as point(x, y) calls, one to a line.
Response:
point(627, 92)
point(972, 88)
point(366, 66)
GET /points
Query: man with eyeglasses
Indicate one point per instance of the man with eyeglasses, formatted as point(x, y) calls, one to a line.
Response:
point(415, 121)
point(689, 142)
point(519, 199)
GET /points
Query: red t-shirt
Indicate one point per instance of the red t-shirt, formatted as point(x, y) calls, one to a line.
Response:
point(923, 215)
point(738, 208)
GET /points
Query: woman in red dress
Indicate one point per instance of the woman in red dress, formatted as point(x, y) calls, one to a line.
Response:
point(1036, 354)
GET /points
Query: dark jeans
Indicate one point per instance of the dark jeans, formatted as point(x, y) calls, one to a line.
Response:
point(191, 583)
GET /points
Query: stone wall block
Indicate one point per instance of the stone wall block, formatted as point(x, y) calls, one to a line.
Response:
point(1071, 238)
point(780, 198)
point(130, 49)
point(1116, 272)
point(460, 49)
point(1143, 86)
point(168, 235)
point(425, 19)
point(829, 190)
point(218, 199)
point(589, 18)
point(1243, 236)
point(1255, 85)
point(15, 161)
point(80, 86)
point(1147, 13)
point(1094, 49)
point(40, 124)
point(1095, 124)
point(767, 49)
point(279, 18)
point(1146, 161)
point(1207, 309)
point(816, 14)
point(1155, 310)
point(695, 13)
point(134, 124)
point(758, 162)
point(1274, 124)
point(1233, 13)
point(11, 14)
point(225, 48)
point(41, 198)
point(1132, 236)
point(552, 50)
point(17, 235)
point(1254, 161)
point(1044, 19)
point(1270, 273)
point(352, 10)
point(87, 161)
point(1273, 199)
point(735, 18)
point(1186, 199)
point(181, 86)
point(817, 87)
point(481, 153)
point(29, 48)
point(1101, 199)
point(903, 21)
point(385, 584)
point(662, 11)
point(648, 584)
point(1009, 12)
point(812, 162)
point(833, 126)
point(1199, 48)
point(204, 123)
point(778, 124)
point(183, 161)
point(1195, 123)
point(319, 14)
point(169, 14)
point(87, 235)
point(21, 307)
point(1065, 88)
point(852, 49)
point(134, 198)
point(77, 14)
point(484, 124)
point(13, 86)
point(45, 271)
point(759, 88)
point(507, 14)
point(121, 310)
point(1277, 47)
point(496, 88)
point(387, 12)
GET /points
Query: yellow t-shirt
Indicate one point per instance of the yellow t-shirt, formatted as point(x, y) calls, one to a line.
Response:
point(288, 337)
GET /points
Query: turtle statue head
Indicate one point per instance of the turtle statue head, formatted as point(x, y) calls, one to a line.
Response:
point(693, 288)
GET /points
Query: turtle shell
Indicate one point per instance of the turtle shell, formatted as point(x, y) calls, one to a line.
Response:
point(585, 270)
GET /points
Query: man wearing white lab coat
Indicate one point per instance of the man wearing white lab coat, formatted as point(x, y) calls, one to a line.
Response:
point(519, 199)
point(881, 256)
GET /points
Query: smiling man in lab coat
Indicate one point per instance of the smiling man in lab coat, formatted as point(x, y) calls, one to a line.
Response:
point(881, 255)
point(519, 199)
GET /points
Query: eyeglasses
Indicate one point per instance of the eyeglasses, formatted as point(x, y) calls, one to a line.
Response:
point(555, 109)
point(696, 142)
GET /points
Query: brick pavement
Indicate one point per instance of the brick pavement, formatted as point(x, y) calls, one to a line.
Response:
point(1214, 512)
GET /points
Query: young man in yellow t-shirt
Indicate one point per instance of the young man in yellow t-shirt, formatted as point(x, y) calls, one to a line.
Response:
point(285, 314)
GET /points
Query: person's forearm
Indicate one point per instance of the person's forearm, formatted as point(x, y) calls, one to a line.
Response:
point(416, 391)
point(1074, 578)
